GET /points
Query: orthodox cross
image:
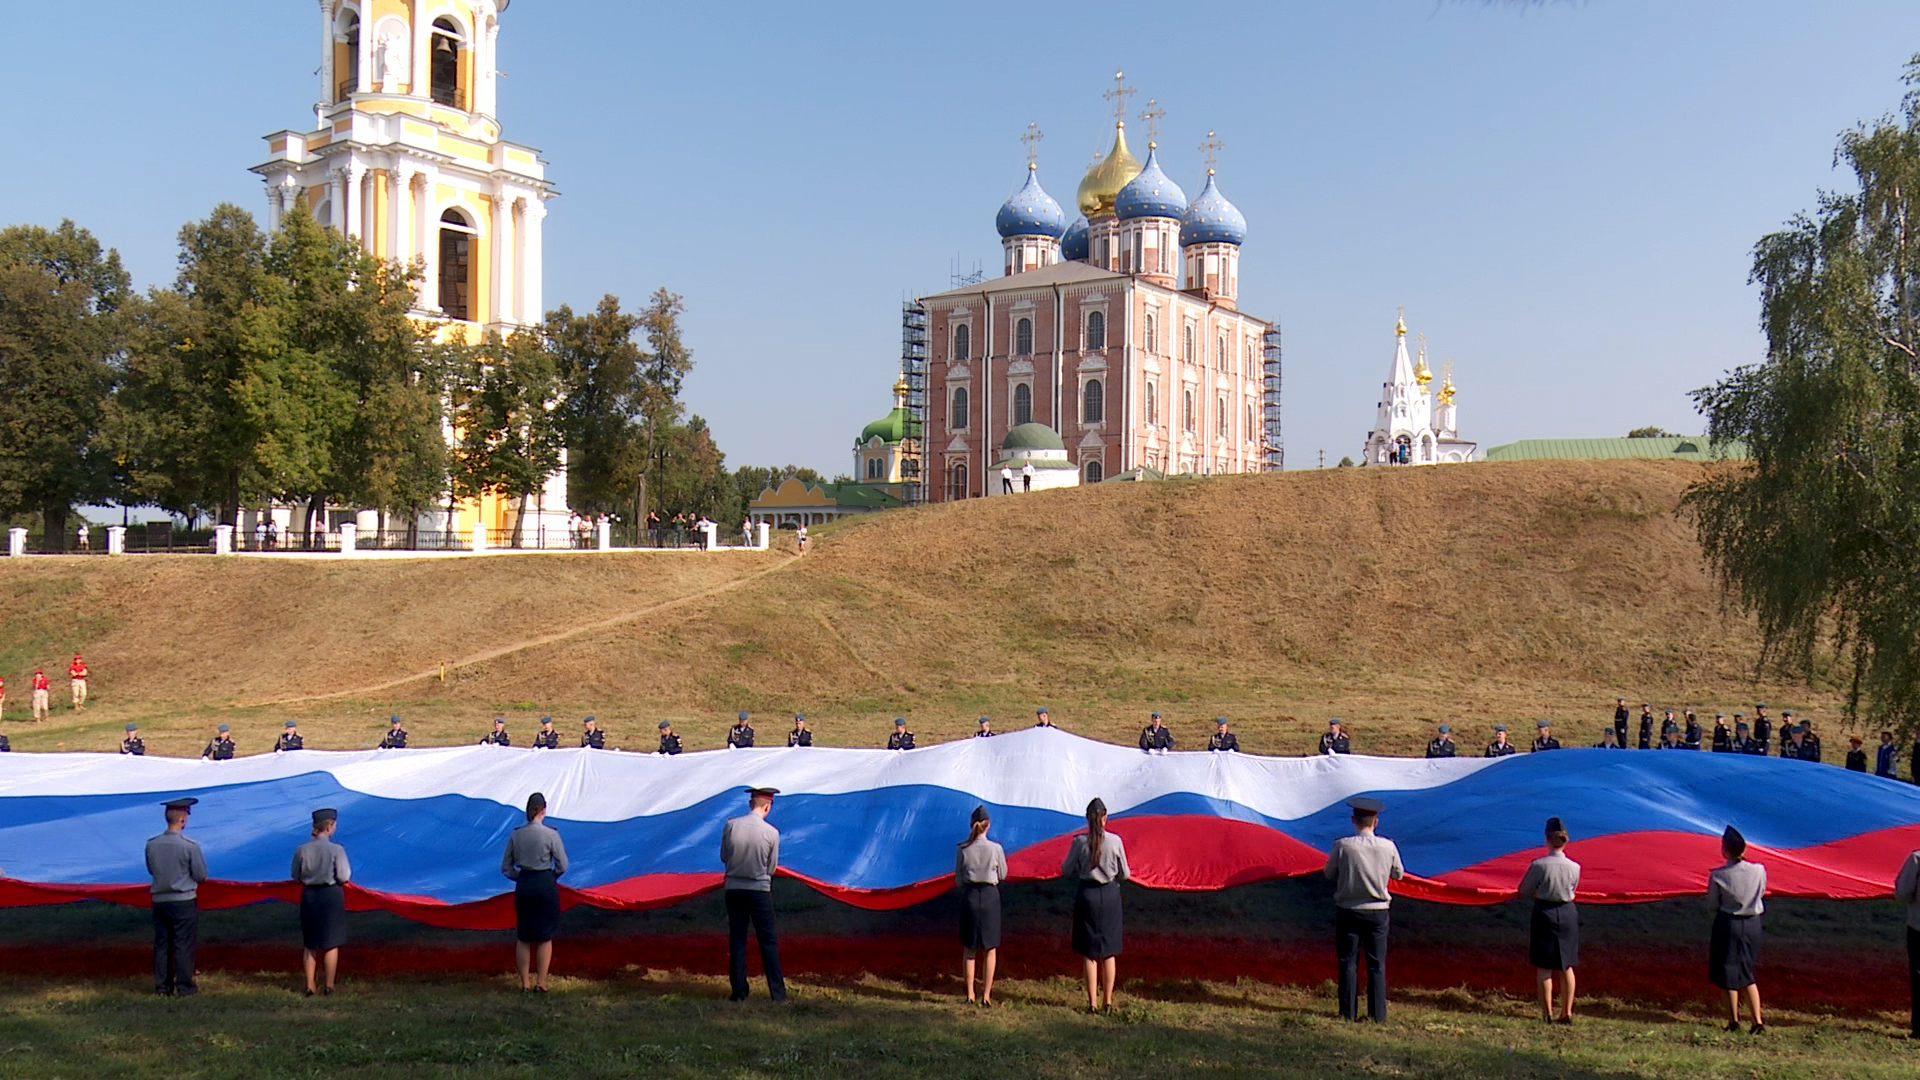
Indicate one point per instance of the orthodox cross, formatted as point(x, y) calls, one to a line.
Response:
point(1212, 148)
point(1152, 115)
point(1119, 95)
point(1032, 139)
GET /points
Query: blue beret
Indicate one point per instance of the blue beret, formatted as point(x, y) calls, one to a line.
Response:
point(1499, 727)
point(743, 714)
point(292, 723)
point(133, 727)
point(1446, 729)
point(899, 721)
point(665, 724)
point(223, 727)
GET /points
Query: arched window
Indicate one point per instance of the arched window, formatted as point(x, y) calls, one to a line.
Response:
point(1187, 344)
point(1153, 407)
point(1096, 330)
point(1023, 337)
point(1094, 472)
point(444, 64)
point(962, 342)
point(1249, 358)
point(350, 82)
point(1092, 402)
point(1222, 431)
point(1186, 413)
point(873, 468)
point(957, 482)
point(456, 266)
point(959, 419)
point(1250, 428)
point(1152, 333)
point(1023, 404)
point(1221, 356)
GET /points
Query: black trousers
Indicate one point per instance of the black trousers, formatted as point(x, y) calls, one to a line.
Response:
point(1006, 485)
point(176, 929)
point(742, 905)
point(1913, 978)
point(1353, 933)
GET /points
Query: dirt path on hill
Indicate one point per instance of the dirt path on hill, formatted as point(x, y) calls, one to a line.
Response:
point(537, 641)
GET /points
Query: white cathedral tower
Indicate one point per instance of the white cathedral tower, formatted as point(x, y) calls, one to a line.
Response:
point(1413, 425)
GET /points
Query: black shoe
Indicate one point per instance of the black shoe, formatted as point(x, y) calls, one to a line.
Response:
point(1733, 1026)
point(186, 991)
point(163, 991)
point(1758, 1029)
point(326, 991)
point(309, 991)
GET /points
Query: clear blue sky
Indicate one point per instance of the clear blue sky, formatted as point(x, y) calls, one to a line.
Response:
point(1563, 197)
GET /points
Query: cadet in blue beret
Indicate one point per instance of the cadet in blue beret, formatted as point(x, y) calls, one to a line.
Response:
point(1441, 745)
point(133, 743)
point(1500, 747)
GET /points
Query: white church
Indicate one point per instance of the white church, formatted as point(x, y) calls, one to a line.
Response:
point(1412, 424)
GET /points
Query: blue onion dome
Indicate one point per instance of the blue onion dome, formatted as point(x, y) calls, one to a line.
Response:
point(1150, 194)
point(1031, 212)
point(1211, 219)
point(1074, 246)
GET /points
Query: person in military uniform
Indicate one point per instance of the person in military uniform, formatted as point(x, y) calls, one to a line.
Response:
point(1041, 718)
point(1722, 737)
point(221, 747)
point(1668, 723)
point(986, 729)
point(290, 739)
point(750, 851)
point(1813, 740)
point(1906, 889)
point(1620, 717)
point(1670, 740)
point(1335, 741)
point(1799, 747)
point(1786, 734)
point(1856, 757)
point(1690, 735)
point(320, 866)
point(177, 867)
point(546, 738)
point(1499, 747)
point(1441, 745)
point(901, 739)
point(669, 742)
point(1360, 866)
point(1885, 758)
point(396, 736)
point(1222, 739)
point(133, 743)
point(1646, 726)
point(799, 736)
point(591, 737)
point(1607, 741)
point(1762, 727)
point(740, 735)
point(1155, 736)
point(1742, 742)
point(1543, 738)
point(6, 745)
point(498, 736)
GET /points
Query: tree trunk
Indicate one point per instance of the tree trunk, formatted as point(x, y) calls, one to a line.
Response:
point(53, 523)
point(520, 516)
point(640, 509)
point(316, 508)
point(230, 513)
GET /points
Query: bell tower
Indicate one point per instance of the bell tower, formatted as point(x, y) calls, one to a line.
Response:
point(405, 155)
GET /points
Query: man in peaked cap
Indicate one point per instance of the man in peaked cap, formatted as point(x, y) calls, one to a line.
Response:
point(1223, 739)
point(133, 743)
point(1441, 745)
point(669, 742)
point(1620, 716)
point(1499, 747)
point(902, 738)
point(546, 738)
point(1646, 725)
point(177, 867)
point(1722, 734)
point(396, 736)
point(1335, 741)
point(1543, 738)
point(220, 748)
point(750, 851)
point(1155, 736)
point(740, 735)
point(1360, 866)
point(290, 739)
point(1762, 727)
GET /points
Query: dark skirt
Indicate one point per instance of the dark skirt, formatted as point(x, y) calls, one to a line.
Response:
point(1554, 941)
point(980, 917)
point(323, 917)
point(1733, 950)
point(1096, 919)
point(536, 906)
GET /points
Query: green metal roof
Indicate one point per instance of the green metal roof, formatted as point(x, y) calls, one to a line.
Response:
point(891, 428)
point(862, 497)
point(1032, 437)
point(1669, 448)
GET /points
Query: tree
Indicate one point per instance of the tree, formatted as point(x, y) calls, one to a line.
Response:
point(667, 362)
point(1345, 463)
point(1820, 537)
point(602, 416)
point(505, 415)
point(1651, 432)
point(61, 336)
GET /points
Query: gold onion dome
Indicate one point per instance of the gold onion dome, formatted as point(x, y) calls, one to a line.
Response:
point(900, 385)
point(1111, 173)
point(1421, 373)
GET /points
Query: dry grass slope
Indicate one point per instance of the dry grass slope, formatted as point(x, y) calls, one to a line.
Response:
point(1391, 597)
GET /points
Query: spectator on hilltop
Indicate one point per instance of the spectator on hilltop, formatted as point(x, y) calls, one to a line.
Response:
point(1884, 763)
point(1856, 757)
point(1620, 717)
point(42, 686)
point(77, 676)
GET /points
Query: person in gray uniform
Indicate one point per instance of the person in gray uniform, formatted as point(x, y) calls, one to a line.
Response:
point(320, 866)
point(1906, 889)
point(535, 858)
point(1097, 861)
point(1360, 867)
point(978, 868)
point(1736, 893)
point(1553, 939)
point(177, 866)
point(750, 850)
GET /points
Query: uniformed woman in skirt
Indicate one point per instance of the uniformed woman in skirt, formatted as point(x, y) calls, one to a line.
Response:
point(320, 866)
point(978, 868)
point(1097, 863)
point(1553, 941)
point(535, 859)
point(1735, 891)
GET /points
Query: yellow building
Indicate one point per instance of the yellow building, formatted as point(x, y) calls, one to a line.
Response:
point(405, 155)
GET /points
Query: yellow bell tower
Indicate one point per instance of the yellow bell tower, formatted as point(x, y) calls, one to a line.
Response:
point(406, 156)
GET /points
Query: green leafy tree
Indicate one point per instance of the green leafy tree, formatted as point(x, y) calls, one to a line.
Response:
point(602, 365)
point(61, 337)
point(505, 417)
point(1820, 537)
point(668, 360)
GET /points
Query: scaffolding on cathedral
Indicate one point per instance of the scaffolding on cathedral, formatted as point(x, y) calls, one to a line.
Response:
point(913, 372)
point(1273, 449)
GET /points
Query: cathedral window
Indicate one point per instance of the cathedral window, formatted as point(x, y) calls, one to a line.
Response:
point(350, 82)
point(1221, 356)
point(873, 468)
point(456, 266)
point(1023, 337)
point(1187, 343)
point(1152, 333)
point(1249, 433)
point(444, 63)
point(1249, 358)
point(1186, 414)
point(959, 409)
point(1094, 472)
point(1139, 256)
point(1096, 330)
point(957, 482)
point(962, 342)
point(1153, 407)
point(1221, 429)
point(1092, 402)
point(1023, 404)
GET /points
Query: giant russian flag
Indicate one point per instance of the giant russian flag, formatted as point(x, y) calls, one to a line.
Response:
point(425, 828)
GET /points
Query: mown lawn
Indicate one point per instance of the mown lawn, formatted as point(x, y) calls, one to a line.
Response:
point(658, 1024)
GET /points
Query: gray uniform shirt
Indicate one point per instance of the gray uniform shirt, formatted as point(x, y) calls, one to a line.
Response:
point(1111, 867)
point(177, 867)
point(750, 849)
point(320, 861)
point(982, 862)
point(534, 846)
point(1360, 866)
point(1737, 887)
point(1553, 878)
point(1906, 889)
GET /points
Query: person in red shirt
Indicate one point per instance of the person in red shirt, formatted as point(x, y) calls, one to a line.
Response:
point(77, 673)
point(40, 687)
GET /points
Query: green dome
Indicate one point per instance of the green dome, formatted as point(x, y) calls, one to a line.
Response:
point(1032, 437)
point(891, 428)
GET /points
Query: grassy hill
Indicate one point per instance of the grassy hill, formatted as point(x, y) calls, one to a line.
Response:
point(1393, 598)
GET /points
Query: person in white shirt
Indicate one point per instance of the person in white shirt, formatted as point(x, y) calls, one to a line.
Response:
point(1553, 941)
point(1360, 867)
point(1006, 479)
point(1735, 892)
point(800, 538)
point(1026, 477)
